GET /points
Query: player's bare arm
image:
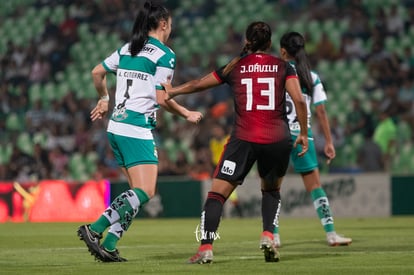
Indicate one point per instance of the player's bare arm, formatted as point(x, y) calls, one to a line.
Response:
point(192, 86)
point(99, 81)
point(293, 88)
point(329, 148)
point(173, 107)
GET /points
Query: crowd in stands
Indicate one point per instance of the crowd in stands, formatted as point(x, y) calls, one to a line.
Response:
point(39, 139)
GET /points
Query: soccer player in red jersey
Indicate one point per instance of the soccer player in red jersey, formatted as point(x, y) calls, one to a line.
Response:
point(260, 133)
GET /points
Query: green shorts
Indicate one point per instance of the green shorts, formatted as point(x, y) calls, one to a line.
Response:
point(309, 161)
point(129, 152)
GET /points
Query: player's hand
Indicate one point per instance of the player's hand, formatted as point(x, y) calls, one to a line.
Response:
point(100, 110)
point(329, 152)
point(303, 141)
point(167, 87)
point(194, 116)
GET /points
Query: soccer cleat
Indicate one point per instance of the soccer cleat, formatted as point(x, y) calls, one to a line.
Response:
point(268, 247)
point(203, 256)
point(276, 240)
point(334, 239)
point(111, 256)
point(91, 240)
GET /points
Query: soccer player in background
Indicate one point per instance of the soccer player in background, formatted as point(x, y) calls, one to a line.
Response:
point(260, 133)
point(140, 66)
point(292, 49)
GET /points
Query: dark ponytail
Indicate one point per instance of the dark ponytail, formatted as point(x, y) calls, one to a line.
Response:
point(258, 37)
point(147, 20)
point(294, 44)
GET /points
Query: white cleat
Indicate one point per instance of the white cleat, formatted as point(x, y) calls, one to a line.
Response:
point(276, 240)
point(334, 239)
point(202, 257)
point(269, 249)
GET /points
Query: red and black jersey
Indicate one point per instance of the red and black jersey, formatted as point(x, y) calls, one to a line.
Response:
point(258, 84)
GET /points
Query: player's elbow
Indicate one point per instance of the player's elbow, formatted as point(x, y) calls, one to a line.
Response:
point(320, 111)
point(162, 102)
point(98, 72)
point(300, 103)
point(165, 104)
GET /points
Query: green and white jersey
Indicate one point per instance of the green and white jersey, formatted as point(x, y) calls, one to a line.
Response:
point(137, 79)
point(318, 97)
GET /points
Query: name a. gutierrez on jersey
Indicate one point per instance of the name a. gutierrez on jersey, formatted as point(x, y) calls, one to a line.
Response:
point(132, 74)
point(257, 68)
point(228, 167)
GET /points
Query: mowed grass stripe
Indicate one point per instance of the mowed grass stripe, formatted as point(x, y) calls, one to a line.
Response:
point(161, 246)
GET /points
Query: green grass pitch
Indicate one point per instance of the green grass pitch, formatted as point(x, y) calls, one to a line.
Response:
point(161, 246)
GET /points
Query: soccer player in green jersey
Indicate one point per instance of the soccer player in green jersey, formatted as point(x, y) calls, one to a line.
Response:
point(292, 49)
point(140, 66)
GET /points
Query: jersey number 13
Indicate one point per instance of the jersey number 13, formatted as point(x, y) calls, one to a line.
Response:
point(269, 93)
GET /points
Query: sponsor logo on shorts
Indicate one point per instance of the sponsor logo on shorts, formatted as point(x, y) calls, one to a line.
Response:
point(228, 167)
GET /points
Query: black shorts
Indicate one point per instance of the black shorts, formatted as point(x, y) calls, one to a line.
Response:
point(239, 156)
